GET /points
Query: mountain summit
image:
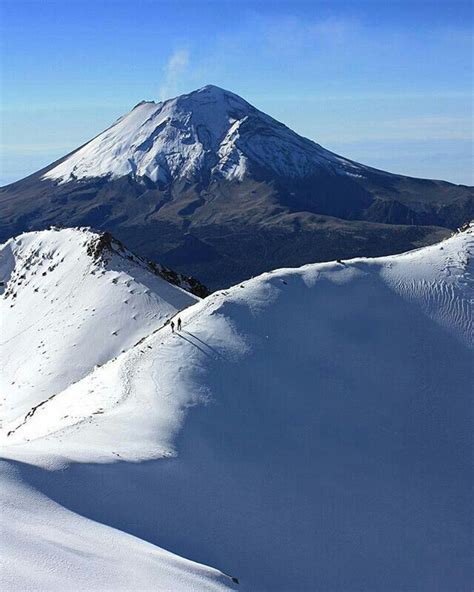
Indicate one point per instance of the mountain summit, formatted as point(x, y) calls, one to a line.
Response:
point(215, 188)
point(207, 133)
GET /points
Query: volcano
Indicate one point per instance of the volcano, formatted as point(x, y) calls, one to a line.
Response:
point(213, 187)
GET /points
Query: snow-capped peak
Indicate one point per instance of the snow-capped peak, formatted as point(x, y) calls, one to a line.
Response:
point(208, 132)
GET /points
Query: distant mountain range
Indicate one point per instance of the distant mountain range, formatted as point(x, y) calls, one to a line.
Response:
point(213, 187)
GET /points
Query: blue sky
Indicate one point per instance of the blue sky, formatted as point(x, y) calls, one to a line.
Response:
point(388, 83)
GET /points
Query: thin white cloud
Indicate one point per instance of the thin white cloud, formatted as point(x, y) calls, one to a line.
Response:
point(173, 73)
point(27, 148)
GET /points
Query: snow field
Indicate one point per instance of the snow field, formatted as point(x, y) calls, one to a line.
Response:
point(309, 429)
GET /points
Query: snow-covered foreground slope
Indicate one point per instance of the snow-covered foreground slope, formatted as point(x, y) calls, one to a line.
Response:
point(47, 547)
point(310, 429)
point(70, 300)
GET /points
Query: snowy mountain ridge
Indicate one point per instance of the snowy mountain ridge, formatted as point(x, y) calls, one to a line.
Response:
point(316, 418)
point(72, 299)
point(209, 132)
point(436, 279)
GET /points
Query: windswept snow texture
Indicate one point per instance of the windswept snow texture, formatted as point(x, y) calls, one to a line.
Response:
point(47, 547)
point(210, 129)
point(309, 429)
